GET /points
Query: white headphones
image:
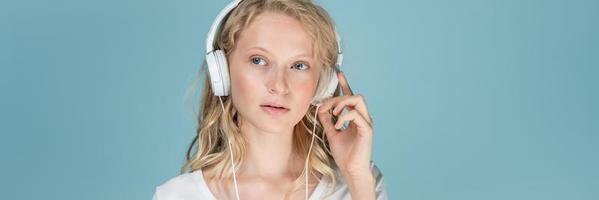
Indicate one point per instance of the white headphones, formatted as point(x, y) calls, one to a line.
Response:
point(219, 71)
point(221, 84)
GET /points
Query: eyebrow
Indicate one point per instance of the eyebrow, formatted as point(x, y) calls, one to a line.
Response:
point(266, 50)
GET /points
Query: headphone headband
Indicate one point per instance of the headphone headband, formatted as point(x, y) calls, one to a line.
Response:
point(216, 24)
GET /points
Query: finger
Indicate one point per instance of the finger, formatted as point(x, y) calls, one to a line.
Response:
point(327, 123)
point(349, 102)
point(353, 102)
point(354, 117)
point(344, 85)
point(332, 102)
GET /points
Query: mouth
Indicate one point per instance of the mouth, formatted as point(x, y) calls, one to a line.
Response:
point(274, 109)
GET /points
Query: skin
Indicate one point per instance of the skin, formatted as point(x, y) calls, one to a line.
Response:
point(273, 61)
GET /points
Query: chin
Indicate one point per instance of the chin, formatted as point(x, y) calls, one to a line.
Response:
point(274, 125)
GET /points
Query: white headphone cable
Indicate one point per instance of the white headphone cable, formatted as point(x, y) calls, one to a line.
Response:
point(231, 152)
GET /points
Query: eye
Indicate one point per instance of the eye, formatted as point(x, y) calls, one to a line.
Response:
point(300, 66)
point(258, 61)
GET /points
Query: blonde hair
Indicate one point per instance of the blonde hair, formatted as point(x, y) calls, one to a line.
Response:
point(216, 127)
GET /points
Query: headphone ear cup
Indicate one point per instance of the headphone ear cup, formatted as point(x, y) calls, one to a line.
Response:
point(327, 90)
point(219, 72)
point(224, 69)
point(332, 86)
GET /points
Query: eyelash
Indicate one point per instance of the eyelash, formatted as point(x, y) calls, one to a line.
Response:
point(294, 65)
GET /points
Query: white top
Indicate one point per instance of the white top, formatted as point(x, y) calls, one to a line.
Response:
point(191, 186)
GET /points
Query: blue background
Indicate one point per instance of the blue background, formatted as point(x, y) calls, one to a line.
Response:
point(471, 99)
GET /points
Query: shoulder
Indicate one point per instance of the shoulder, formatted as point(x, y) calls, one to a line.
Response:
point(181, 187)
point(341, 188)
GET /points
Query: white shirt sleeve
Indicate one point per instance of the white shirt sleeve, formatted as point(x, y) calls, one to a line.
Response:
point(380, 188)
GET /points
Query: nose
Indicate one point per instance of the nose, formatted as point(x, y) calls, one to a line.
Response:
point(277, 81)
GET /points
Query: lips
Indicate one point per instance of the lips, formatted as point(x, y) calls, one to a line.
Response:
point(274, 108)
point(274, 105)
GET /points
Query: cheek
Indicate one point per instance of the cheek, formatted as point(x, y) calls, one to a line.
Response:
point(241, 82)
point(303, 93)
point(304, 89)
point(244, 87)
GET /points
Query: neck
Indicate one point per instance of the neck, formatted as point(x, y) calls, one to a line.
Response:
point(269, 154)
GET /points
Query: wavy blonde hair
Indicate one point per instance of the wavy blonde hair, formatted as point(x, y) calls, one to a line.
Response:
point(216, 127)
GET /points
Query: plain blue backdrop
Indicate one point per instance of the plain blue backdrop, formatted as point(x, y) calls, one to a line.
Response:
point(471, 99)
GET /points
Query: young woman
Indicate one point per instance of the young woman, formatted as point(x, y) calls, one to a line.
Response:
point(268, 135)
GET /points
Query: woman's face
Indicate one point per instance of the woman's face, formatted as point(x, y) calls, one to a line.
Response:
point(273, 64)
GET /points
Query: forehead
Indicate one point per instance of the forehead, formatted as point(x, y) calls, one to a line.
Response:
point(278, 33)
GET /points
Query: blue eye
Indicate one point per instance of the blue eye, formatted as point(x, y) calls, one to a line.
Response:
point(258, 61)
point(300, 66)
